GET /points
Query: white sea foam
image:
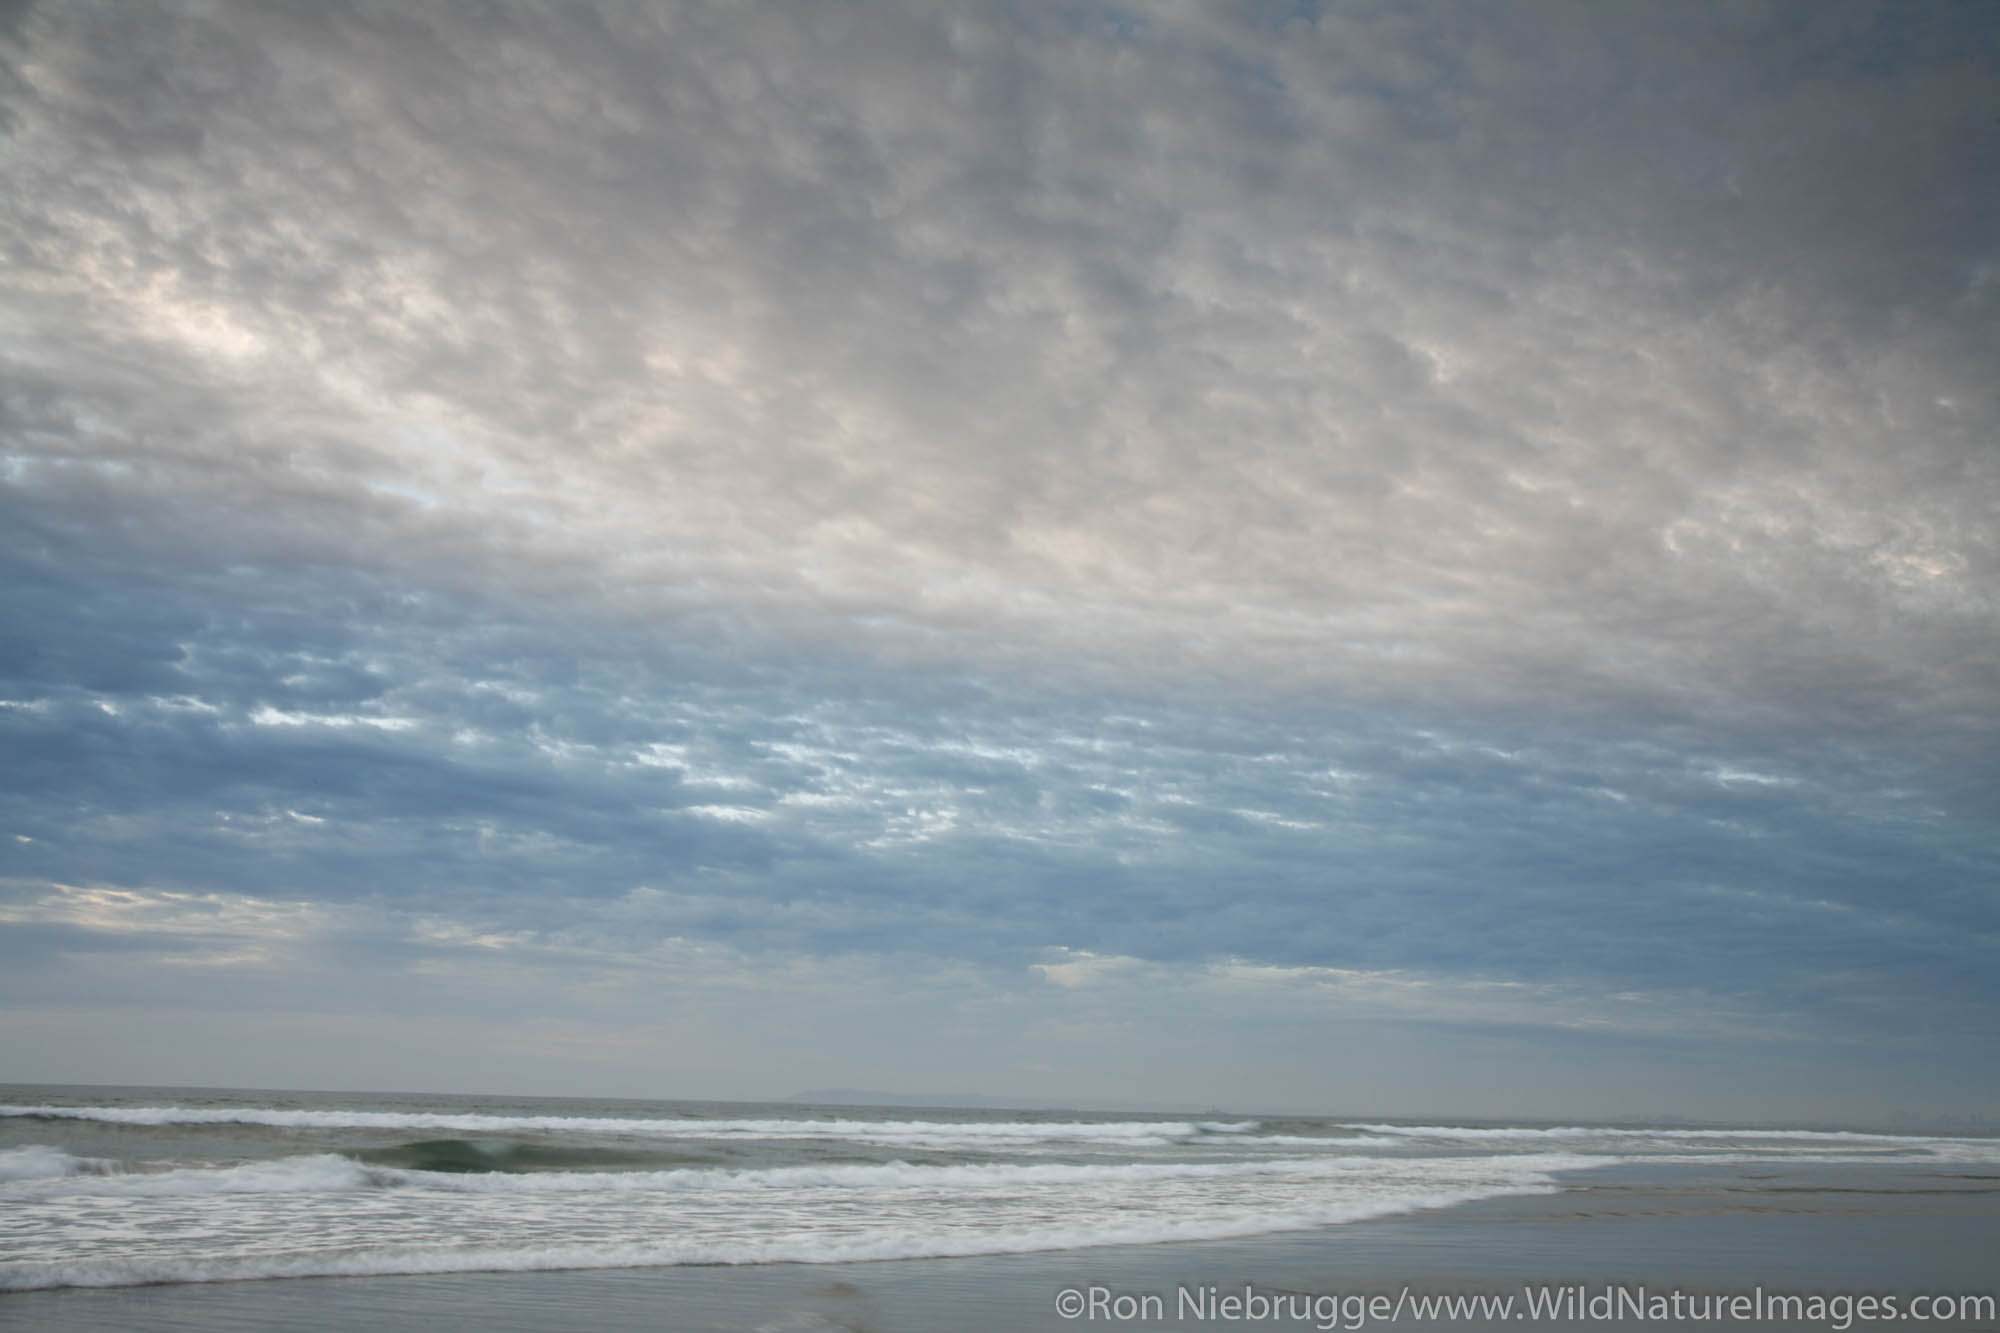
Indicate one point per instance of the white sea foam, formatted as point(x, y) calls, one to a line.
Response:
point(1490, 1134)
point(917, 1132)
point(1311, 1141)
point(318, 1173)
point(1830, 1146)
point(888, 1242)
point(36, 1161)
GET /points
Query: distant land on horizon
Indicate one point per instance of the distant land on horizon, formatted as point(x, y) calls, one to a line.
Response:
point(974, 1101)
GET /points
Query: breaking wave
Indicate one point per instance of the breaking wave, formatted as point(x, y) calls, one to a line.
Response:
point(919, 1132)
point(37, 1161)
point(337, 1173)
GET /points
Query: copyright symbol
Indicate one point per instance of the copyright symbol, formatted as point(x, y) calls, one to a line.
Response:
point(1069, 1303)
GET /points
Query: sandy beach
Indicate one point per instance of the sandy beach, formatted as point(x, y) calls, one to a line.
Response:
point(1842, 1231)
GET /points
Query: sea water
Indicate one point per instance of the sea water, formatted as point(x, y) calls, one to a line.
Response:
point(119, 1186)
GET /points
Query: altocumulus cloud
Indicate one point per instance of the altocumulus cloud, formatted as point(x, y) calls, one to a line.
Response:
point(1370, 555)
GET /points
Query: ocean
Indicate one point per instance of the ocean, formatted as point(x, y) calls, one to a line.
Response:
point(178, 1187)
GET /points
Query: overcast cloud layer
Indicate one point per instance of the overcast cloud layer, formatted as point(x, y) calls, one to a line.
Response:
point(1369, 556)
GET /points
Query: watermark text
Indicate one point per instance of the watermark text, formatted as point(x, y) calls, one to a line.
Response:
point(1212, 1304)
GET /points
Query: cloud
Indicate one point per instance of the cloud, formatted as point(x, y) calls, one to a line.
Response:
point(1494, 503)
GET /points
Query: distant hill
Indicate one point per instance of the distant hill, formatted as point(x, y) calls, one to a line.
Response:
point(962, 1100)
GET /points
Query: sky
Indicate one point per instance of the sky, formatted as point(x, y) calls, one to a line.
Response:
point(1400, 558)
